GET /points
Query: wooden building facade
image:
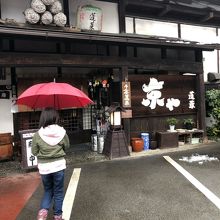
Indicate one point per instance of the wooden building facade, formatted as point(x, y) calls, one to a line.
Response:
point(37, 53)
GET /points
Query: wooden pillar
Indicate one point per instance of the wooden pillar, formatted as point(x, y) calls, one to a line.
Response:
point(200, 94)
point(217, 34)
point(121, 13)
point(59, 68)
point(68, 47)
point(163, 53)
point(66, 11)
point(179, 30)
point(13, 71)
point(126, 121)
point(11, 45)
point(0, 9)
point(200, 90)
point(14, 82)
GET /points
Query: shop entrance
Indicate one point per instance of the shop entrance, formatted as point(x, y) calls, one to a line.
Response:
point(80, 123)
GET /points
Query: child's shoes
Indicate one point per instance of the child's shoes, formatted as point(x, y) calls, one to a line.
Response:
point(58, 217)
point(42, 214)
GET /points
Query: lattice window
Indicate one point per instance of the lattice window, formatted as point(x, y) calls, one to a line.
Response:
point(71, 119)
point(28, 120)
point(87, 119)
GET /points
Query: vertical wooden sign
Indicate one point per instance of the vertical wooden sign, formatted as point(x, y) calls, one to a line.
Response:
point(126, 94)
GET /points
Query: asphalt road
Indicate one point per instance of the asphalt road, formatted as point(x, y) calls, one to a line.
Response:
point(145, 188)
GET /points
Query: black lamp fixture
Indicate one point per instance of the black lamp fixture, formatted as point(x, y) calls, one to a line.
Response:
point(115, 143)
point(115, 116)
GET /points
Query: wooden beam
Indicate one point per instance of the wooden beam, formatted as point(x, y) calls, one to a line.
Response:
point(179, 31)
point(66, 10)
point(0, 9)
point(198, 56)
point(209, 16)
point(165, 10)
point(200, 90)
point(68, 60)
point(121, 13)
point(160, 5)
point(67, 34)
point(201, 113)
point(163, 53)
point(148, 3)
point(14, 82)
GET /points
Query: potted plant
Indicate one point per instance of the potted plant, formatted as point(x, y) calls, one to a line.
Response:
point(188, 123)
point(172, 123)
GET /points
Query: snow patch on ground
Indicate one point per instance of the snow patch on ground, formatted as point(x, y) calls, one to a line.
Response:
point(198, 158)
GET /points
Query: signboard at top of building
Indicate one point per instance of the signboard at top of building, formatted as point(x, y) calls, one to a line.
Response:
point(126, 94)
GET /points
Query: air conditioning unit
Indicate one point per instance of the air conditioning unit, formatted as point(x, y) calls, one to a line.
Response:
point(213, 77)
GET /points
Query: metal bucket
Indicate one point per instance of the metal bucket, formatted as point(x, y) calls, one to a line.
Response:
point(101, 140)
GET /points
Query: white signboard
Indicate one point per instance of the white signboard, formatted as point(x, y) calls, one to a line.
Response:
point(154, 96)
point(31, 159)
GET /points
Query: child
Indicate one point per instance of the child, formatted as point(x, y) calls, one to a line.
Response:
point(49, 145)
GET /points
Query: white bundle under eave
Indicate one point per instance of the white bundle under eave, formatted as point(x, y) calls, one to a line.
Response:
point(60, 19)
point(47, 18)
point(48, 2)
point(46, 12)
point(31, 16)
point(38, 6)
point(56, 7)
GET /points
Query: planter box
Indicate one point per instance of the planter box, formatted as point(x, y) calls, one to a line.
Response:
point(167, 139)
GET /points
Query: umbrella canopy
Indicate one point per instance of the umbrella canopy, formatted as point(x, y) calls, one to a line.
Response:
point(56, 95)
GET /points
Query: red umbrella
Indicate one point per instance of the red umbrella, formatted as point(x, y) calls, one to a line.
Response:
point(56, 95)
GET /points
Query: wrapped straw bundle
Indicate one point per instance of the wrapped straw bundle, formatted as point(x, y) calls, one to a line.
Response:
point(56, 7)
point(38, 6)
point(48, 2)
point(47, 18)
point(31, 16)
point(60, 19)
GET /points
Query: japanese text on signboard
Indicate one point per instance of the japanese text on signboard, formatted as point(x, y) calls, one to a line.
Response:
point(126, 94)
point(154, 96)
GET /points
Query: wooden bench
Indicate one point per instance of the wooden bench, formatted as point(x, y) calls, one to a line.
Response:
point(167, 139)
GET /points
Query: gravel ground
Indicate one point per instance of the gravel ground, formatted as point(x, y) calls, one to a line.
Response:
point(75, 155)
point(82, 154)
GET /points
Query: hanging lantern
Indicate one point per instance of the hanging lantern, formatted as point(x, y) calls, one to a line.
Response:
point(90, 18)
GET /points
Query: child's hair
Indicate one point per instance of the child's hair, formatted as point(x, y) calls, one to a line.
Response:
point(49, 116)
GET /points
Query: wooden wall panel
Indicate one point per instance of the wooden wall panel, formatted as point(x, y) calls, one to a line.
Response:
point(175, 86)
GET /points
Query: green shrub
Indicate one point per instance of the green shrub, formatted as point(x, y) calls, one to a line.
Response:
point(213, 109)
point(188, 123)
point(172, 121)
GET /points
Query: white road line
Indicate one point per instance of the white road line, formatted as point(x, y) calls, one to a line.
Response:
point(70, 194)
point(211, 196)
